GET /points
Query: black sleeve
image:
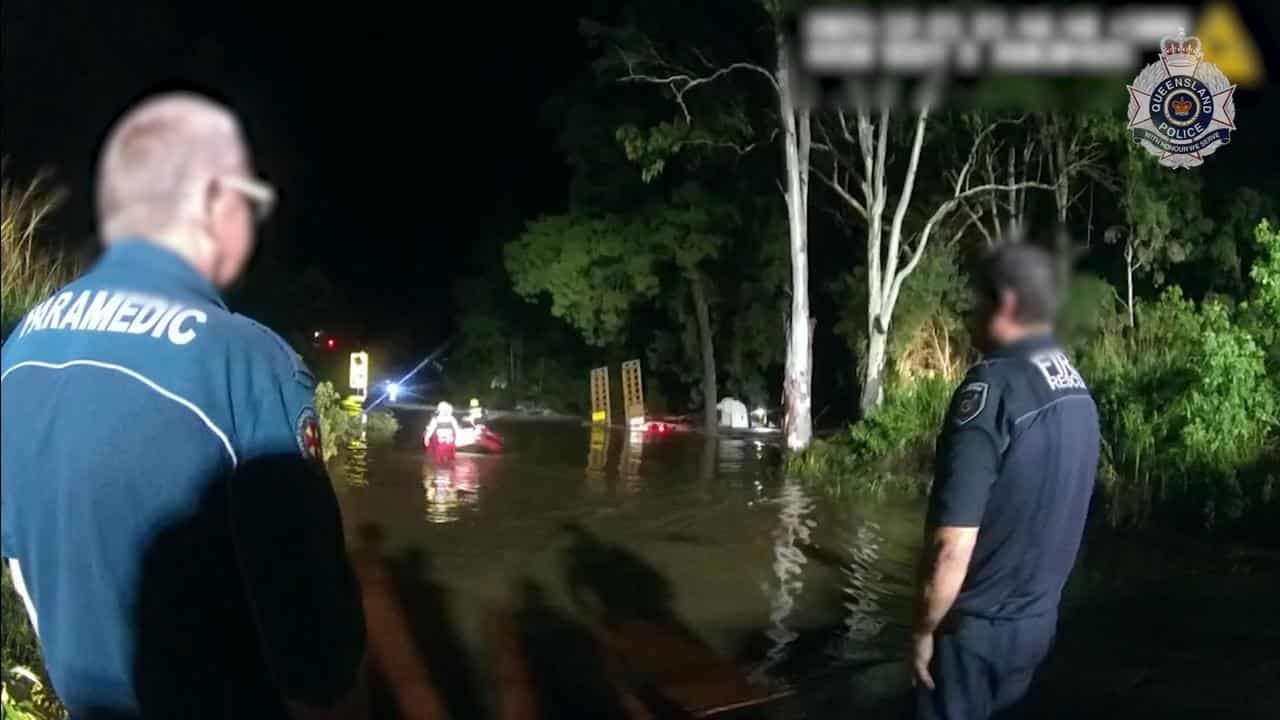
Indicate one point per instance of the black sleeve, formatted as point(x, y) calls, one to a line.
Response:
point(968, 456)
point(301, 588)
point(289, 543)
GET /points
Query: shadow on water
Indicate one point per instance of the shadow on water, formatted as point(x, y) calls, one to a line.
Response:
point(697, 508)
point(611, 584)
point(565, 664)
point(426, 605)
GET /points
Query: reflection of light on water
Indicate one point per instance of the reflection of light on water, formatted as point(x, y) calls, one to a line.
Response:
point(355, 466)
point(629, 463)
point(448, 489)
point(862, 588)
point(598, 458)
point(788, 566)
point(732, 455)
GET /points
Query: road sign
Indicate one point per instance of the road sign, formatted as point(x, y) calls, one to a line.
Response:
point(360, 372)
point(633, 392)
point(600, 395)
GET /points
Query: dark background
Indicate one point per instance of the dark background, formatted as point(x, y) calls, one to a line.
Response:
point(353, 113)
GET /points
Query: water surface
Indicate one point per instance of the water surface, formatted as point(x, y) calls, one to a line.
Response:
point(754, 564)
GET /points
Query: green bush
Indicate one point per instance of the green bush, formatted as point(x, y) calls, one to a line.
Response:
point(334, 420)
point(1186, 407)
point(1262, 310)
point(907, 421)
point(340, 424)
point(381, 427)
point(890, 448)
point(18, 646)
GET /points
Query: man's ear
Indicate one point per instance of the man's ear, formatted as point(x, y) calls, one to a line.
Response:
point(212, 194)
point(1008, 305)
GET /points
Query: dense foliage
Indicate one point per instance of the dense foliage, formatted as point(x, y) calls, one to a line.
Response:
point(1189, 403)
point(340, 423)
point(31, 270)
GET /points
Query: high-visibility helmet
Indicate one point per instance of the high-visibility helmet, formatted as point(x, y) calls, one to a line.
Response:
point(475, 402)
point(444, 409)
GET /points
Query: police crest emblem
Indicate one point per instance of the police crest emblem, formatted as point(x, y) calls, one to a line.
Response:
point(1180, 107)
point(308, 436)
point(970, 402)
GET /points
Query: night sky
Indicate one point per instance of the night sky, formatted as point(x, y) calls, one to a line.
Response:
point(352, 115)
point(350, 119)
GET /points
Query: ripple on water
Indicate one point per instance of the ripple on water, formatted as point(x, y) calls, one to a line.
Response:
point(757, 564)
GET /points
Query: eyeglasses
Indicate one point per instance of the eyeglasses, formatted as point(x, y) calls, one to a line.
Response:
point(261, 195)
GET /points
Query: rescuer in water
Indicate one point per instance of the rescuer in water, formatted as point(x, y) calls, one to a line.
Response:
point(476, 415)
point(441, 436)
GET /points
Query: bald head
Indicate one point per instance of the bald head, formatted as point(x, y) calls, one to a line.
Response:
point(160, 177)
point(157, 161)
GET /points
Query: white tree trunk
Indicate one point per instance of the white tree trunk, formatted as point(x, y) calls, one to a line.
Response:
point(798, 381)
point(888, 267)
point(1128, 277)
point(873, 376)
point(884, 281)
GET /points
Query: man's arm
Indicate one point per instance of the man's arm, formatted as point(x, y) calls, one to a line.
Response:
point(965, 470)
point(944, 562)
point(288, 535)
point(300, 585)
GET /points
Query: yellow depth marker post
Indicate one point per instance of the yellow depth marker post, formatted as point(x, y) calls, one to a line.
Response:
point(600, 412)
point(633, 392)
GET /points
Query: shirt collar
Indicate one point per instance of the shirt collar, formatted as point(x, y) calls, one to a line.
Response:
point(144, 257)
point(1026, 346)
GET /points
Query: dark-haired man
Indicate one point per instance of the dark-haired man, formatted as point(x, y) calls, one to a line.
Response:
point(1014, 474)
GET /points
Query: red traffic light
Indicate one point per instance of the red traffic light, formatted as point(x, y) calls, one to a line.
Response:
point(329, 343)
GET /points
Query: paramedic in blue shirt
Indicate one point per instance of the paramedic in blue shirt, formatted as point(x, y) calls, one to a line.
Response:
point(1014, 474)
point(167, 519)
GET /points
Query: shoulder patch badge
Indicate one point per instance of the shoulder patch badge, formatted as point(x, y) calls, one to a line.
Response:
point(308, 435)
point(970, 402)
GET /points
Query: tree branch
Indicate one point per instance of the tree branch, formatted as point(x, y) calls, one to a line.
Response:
point(740, 149)
point(904, 198)
point(843, 193)
point(680, 83)
point(895, 285)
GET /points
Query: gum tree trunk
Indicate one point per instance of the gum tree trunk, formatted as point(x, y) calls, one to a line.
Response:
point(798, 380)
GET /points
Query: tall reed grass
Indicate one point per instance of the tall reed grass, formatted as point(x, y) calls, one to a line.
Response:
point(29, 269)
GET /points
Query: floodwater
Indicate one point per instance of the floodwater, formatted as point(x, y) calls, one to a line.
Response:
point(746, 558)
point(787, 582)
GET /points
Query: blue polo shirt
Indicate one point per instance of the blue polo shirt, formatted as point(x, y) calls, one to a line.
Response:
point(1017, 458)
point(165, 501)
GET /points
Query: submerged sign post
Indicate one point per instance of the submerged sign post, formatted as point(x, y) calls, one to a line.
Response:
point(360, 373)
point(632, 392)
point(600, 396)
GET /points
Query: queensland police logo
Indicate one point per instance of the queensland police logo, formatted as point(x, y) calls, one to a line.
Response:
point(1180, 107)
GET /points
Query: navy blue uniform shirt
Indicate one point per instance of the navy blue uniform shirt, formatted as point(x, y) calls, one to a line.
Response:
point(165, 503)
point(1016, 458)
